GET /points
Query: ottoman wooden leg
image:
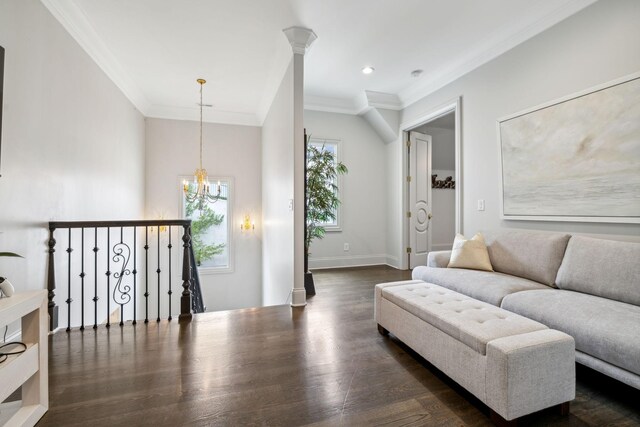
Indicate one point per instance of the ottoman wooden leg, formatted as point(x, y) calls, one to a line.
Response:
point(563, 408)
point(382, 330)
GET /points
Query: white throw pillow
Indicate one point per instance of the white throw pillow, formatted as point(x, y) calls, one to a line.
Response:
point(470, 254)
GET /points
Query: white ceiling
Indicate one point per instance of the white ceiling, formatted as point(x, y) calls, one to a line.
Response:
point(154, 50)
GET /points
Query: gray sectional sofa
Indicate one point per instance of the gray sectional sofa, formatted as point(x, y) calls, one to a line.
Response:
point(588, 288)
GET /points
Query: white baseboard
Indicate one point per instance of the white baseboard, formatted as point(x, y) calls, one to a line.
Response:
point(318, 263)
point(392, 261)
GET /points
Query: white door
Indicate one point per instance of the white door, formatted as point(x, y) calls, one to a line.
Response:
point(419, 198)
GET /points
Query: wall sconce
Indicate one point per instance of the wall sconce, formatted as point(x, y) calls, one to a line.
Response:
point(161, 228)
point(247, 224)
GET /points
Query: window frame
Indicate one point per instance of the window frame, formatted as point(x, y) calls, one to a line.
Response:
point(230, 268)
point(319, 141)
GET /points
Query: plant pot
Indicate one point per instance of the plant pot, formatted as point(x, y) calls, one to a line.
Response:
point(6, 287)
point(309, 287)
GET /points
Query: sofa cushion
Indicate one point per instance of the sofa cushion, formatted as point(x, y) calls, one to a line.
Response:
point(467, 320)
point(482, 285)
point(530, 255)
point(439, 258)
point(470, 253)
point(602, 328)
point(605, 268)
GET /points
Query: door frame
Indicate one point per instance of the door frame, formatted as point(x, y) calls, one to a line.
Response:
point(447, 108)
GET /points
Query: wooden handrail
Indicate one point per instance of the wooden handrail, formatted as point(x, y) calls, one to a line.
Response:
point(119, 223)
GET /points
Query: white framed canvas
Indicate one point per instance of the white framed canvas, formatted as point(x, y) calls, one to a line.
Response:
point(574, 159)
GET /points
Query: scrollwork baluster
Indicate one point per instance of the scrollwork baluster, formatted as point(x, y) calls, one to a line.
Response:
point(121, 296)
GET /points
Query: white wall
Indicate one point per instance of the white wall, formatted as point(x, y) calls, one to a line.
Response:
point(277, 191)
point(598, 44)
point(363, 192)
point(443, 147)
point(72, 144)
point(229, 151)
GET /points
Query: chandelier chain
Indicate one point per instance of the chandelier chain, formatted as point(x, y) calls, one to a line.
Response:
point(199, 190)
point(201, 84)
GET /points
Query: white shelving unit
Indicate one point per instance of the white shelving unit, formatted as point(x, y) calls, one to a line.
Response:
point(29, 369)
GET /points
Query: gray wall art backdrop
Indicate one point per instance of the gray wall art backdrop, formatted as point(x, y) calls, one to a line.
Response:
point(577, 158)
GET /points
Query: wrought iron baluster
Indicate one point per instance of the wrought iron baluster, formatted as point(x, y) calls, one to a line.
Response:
point(122, 253)
point(69, 250)
point(51, 283)
point(146, 274)
point(185, 299)
point(82, 280)
point(135, 273)
point(121, 293)
point(158, 271)
point(170, 291)
point(95, 278)
point(108, 277)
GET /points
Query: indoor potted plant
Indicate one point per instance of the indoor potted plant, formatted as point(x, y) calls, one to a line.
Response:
point(321, 198)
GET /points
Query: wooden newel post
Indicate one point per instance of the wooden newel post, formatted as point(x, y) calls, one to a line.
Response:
point(51, 283)
point(185, 299)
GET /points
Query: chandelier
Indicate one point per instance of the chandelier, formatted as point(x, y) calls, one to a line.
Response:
point(199, 189)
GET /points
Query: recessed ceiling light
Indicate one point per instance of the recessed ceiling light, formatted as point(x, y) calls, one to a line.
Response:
point(417, 73)
point(368, 70)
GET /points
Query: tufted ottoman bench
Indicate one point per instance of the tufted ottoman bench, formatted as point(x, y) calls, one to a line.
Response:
point(515, 365)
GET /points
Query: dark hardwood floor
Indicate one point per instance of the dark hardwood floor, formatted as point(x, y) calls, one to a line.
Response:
point(321, 365)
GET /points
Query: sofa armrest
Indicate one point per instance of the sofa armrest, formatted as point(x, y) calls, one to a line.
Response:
point(438, 259)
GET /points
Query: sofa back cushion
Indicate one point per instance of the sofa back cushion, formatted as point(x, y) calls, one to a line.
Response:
point(526, 254)
point(604, 268)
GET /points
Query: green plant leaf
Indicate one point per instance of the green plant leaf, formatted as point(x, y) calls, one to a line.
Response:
point(11, 254)
point(208, 218)
point(322, 192)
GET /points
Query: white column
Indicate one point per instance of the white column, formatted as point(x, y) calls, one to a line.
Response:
point(300, 39)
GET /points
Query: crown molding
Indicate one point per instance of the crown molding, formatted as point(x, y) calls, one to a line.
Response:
point(494, 47)
point(388, 101)
point(208, 115)
point(331, 105)
point(71, 17)
point(357, 106)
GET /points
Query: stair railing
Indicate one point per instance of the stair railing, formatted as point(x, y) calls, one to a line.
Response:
point(124, 274)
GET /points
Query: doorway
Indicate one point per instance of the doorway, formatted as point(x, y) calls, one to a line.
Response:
point(433, 186)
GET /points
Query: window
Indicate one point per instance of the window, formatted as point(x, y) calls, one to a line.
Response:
point(210, 227)
point(332, 146)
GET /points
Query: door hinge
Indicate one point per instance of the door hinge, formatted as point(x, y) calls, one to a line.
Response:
point(408, 179)
point(408, 250)
point(409, 143)
point(408, 214)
